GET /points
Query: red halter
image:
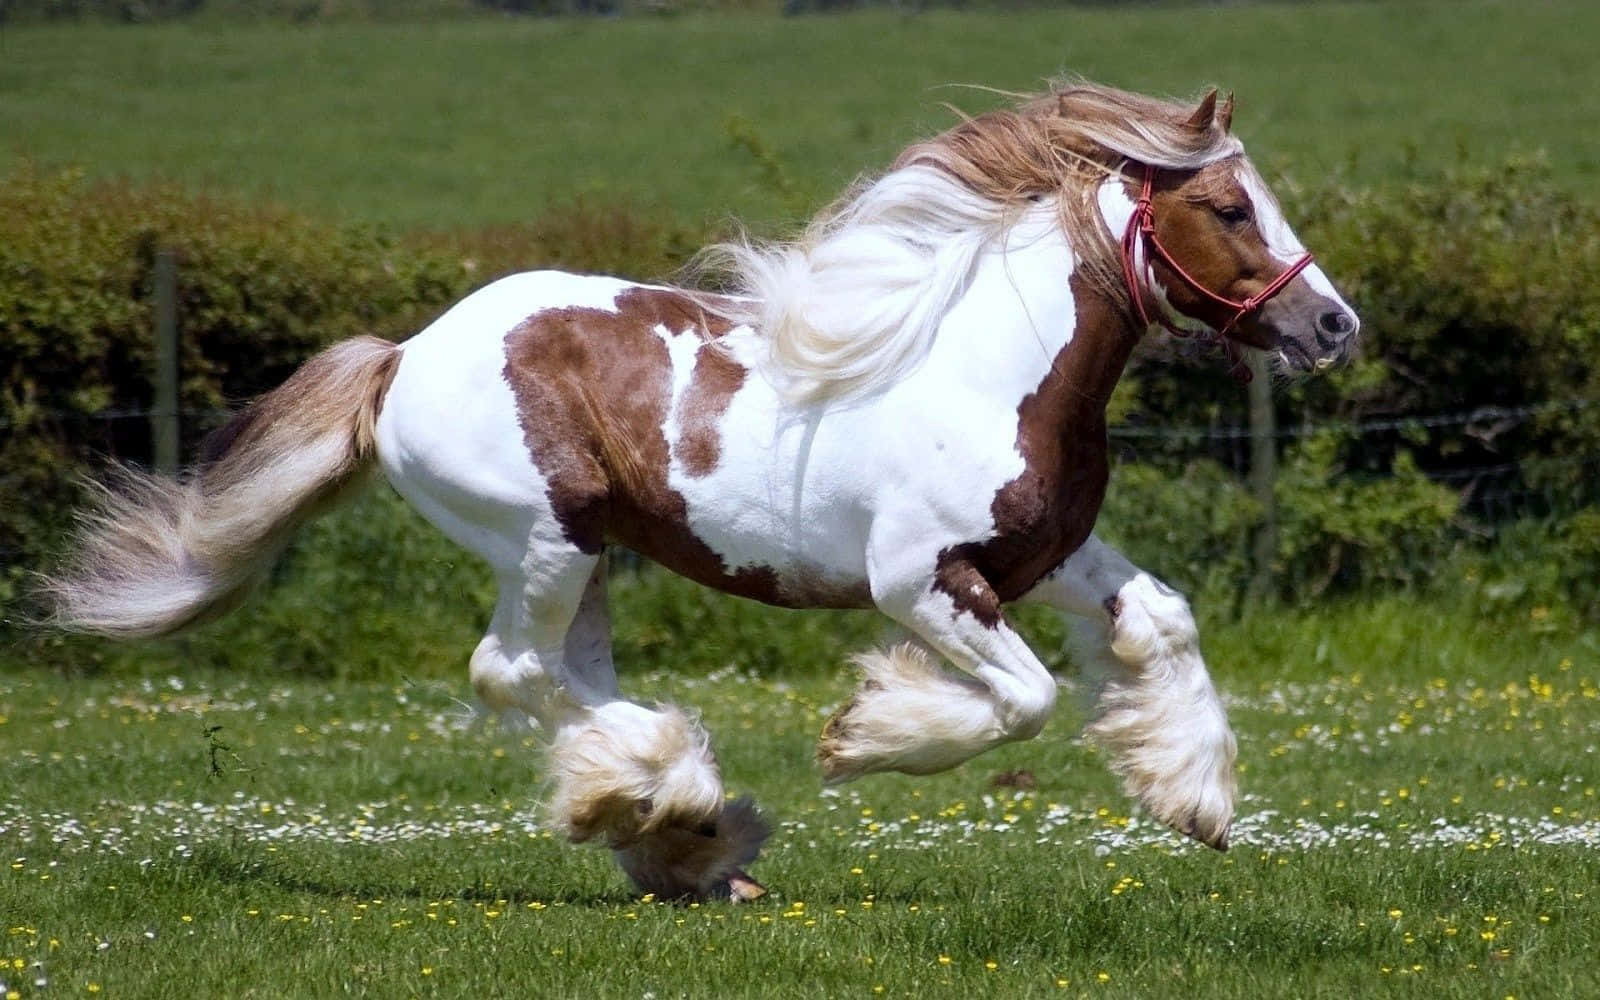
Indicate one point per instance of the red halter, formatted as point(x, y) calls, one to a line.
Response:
point(1143, 225)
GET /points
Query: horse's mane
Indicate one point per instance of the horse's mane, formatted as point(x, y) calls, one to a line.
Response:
point(855, 302)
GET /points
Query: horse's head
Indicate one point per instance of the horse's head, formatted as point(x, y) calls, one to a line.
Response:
point(1211, 248)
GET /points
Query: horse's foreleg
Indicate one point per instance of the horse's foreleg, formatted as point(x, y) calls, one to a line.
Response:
point(1149, 696)
point(641, 779)
point(909, 714)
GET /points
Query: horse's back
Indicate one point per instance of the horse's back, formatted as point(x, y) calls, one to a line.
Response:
point(578, 412)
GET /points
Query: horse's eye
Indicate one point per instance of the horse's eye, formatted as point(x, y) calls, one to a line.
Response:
point(1233, 215)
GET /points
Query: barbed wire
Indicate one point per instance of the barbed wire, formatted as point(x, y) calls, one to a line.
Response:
point(108, 416)
point(1458, 418)
point(1189, 432)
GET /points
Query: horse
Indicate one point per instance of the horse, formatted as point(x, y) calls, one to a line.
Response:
point(902, 409)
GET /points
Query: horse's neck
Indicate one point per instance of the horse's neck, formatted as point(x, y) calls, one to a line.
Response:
point(1029, 322)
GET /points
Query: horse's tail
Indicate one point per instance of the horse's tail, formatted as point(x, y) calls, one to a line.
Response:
point(153, 555)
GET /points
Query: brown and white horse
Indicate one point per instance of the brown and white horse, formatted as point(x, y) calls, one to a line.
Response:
point(904, 410)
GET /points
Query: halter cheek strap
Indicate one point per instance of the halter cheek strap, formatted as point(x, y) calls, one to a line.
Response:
point(1142, 229)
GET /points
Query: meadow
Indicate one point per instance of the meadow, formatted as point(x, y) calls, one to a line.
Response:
point(1419, 817)
point(299, 802)
point(464, 123)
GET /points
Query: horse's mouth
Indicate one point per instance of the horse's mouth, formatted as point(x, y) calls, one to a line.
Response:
point(1297, 357)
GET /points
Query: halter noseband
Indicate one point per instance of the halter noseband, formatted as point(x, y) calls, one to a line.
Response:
point(1143, 226)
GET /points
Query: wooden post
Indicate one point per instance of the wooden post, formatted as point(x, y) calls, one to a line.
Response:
point(1263, 473)
point(164, 412)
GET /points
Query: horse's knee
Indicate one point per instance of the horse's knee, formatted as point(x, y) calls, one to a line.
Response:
point(1150, 621)
point(1025, 709)
point(510, 682)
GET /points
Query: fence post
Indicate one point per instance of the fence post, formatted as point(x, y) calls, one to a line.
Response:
point(1263, 473)
point(164, 412)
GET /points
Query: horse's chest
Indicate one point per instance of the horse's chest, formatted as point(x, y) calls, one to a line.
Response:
point(1043, 515)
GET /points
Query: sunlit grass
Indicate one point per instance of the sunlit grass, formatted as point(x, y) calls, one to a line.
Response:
point(488, 121)
point(1419, 806)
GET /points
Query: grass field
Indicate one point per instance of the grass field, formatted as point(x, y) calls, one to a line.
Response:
point(489, 121)
point(1419, 817)
point(1419, 812)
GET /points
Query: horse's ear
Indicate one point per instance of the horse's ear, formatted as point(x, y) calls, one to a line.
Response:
point(1225, 113)
point(1205, 114)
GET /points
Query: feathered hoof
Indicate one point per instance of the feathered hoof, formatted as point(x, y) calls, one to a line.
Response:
point(1195, 802)
point(908, 716)
point(703, 862)
point(1208, 831)
point(834, 745)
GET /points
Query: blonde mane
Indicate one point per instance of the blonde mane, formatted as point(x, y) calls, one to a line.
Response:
point(855, 302)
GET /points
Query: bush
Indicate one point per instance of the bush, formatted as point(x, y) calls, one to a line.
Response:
point(259, 289)
point(1191, 528)
point(1480, 286)
point(1477, 286)
point(1537, 565)
point(1195, 527)
point(1350, 532)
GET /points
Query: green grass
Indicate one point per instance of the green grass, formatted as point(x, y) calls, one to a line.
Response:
point(479, 121)
point(1419, 817)
point(1420, 813)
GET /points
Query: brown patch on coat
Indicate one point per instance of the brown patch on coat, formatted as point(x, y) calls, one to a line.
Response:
point(712, 385)
point(1048, 511)
point(593, 388)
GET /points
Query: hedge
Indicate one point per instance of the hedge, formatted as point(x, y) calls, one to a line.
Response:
point(1476, 285)
point(259, 289)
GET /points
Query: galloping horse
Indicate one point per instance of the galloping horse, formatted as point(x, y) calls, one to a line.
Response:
point(903, 410)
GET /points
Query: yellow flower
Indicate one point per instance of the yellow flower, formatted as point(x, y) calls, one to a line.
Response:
point(944, 959)
point(1104, 977)
point(1396, 914)
point(991, 965)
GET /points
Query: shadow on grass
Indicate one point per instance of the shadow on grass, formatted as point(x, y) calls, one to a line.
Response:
point(219, 865)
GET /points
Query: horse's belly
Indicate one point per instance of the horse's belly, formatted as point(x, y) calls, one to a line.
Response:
point(775, 513)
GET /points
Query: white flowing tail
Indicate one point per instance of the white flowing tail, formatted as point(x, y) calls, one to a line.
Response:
point(153, 555)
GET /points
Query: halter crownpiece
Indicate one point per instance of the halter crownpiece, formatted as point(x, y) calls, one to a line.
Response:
point(1142, 226)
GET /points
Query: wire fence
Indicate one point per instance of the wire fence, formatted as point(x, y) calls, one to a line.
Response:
point(1511, 487)
point(1474, 416)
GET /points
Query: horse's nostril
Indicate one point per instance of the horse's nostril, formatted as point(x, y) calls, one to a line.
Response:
point(1336, 322)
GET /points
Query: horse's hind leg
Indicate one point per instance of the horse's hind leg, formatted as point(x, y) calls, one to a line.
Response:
point(642, 779)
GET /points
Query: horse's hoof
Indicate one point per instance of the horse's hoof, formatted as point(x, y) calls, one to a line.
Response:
point(744, 889)
point(836, 767)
